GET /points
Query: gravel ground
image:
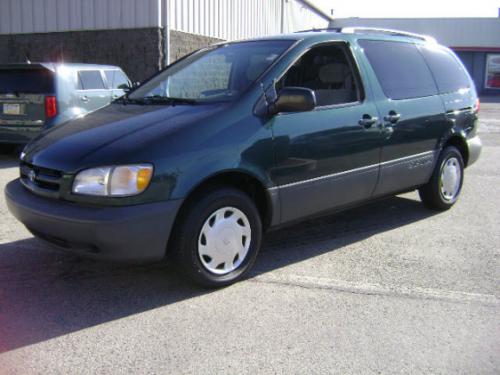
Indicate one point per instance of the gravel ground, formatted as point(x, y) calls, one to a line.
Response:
point(386, 288)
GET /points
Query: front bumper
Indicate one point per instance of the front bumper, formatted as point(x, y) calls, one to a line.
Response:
point(132, 233)
point(474, 145)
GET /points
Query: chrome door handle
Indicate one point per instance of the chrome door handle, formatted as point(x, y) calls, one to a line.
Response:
point(367, 121)
point(84, 98)
point(392, 117)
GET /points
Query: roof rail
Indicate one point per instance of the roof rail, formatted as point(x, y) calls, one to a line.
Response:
point(375, 30)
point(330, 29)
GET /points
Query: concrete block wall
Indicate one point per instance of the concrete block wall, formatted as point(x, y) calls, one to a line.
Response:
point(138, 52)
point(182, 43)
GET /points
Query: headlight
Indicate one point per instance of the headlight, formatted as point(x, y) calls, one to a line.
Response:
point(117, 181)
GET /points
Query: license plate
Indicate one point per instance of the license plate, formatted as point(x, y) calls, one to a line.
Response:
point(12, 109)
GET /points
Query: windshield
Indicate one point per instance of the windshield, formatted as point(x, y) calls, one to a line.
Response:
point(215, 74)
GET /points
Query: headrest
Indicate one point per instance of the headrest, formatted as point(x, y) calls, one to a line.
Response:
point(333, 73)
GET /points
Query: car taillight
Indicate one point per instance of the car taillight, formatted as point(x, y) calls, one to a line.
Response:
point(50, 106)
point(477, 105)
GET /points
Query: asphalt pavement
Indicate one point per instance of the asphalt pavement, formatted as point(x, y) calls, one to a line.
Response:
point(386, 288)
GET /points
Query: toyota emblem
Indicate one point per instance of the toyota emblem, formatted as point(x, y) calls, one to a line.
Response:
point(32, 175)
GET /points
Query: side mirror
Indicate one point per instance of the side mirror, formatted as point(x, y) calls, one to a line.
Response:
point(294, 99)
point(129, 87)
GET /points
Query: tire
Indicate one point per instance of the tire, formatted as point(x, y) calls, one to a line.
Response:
point(217, 237)
point(444, 187)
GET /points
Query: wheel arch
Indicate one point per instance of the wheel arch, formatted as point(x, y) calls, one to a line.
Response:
point(458, 140)
point(243, 180)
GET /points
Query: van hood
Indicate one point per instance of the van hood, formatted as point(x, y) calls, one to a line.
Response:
point(113, 134)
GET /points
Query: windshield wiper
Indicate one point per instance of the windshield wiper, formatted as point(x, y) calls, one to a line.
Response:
point(158, 99)
point(126, 100)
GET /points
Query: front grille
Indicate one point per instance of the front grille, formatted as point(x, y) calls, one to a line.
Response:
point(41, 181)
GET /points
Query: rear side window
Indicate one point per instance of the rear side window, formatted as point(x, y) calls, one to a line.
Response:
point(400, 69)
point(448, 73)
point(116, 79)
point(31, 81)
point(90, 80)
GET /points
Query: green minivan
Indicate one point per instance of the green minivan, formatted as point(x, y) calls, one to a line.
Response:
point(238, 138)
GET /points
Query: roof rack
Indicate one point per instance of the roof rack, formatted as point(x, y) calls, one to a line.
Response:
point(375, 30)
point(330, 29)
point(370, 30)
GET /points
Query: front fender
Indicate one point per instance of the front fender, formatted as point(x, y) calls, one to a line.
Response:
point(199, 171)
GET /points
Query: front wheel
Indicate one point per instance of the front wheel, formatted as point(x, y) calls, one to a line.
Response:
point(218, 237)
point(445, 185)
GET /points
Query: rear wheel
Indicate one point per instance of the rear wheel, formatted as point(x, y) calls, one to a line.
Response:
point(443, 189)
point(218, 237)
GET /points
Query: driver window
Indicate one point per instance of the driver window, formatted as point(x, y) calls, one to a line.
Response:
point(327, 71)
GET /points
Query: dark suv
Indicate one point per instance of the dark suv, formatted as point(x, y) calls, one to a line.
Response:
point(34, 97)
point(242, 137)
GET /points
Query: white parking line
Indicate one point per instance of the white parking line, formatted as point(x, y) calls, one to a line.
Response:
point(377, 289)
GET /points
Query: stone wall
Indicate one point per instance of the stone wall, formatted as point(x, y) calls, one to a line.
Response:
point(182, 43)
point(138, 52)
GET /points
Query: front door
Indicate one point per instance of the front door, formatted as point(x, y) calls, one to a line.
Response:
point(328, 157)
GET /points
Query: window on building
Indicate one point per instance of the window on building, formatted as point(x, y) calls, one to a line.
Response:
point(492, 71)
point(328, 72)
point(90, 80)
point(450, 76)
point(400, 69)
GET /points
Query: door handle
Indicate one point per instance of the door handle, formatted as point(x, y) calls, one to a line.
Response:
point(367, 121)
point(392, 117)
point(84, 98)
